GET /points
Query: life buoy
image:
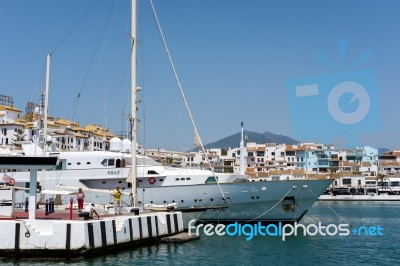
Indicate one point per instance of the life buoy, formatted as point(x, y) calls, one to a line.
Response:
point(152, 180)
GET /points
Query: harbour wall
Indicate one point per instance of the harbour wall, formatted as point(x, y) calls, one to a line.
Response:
point(77, 238)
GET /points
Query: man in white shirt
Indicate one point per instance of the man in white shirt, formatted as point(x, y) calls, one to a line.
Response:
point(88, 212)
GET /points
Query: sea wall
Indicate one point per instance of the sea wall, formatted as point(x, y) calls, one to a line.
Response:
point(74, 238)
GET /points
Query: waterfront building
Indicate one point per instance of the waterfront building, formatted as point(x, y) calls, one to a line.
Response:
point(64, 134)
point(260, 159)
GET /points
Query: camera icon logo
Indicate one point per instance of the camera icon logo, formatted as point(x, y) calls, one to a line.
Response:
point(335, 105)
point(359, 93)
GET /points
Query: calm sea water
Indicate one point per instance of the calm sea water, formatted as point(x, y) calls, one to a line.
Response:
point(261, 250)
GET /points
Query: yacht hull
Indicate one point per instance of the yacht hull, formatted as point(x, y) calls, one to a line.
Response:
point(266, 201)
point(286, 201)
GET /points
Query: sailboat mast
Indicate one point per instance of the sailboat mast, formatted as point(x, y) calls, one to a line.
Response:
point(46, 101)
point(44, 117)
point(133, 104)
point(242, 152)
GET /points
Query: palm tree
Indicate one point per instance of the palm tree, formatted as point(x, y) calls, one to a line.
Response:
point(381, 177)
point(18, 136)
point(169, 160)
point(333, 175)
point(332, 172)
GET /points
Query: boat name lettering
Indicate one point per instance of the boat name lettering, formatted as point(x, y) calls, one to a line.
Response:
point(113, 172)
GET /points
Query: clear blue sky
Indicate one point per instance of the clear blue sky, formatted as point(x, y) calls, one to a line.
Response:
point(235, 60)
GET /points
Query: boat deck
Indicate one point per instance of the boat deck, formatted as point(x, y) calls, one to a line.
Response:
point(56, 215)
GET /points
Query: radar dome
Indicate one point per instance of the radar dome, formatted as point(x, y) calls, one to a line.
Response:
point(126, 145)
point(115, 144)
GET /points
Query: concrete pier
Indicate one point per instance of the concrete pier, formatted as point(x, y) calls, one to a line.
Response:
point(180, 238)
point(78, 238)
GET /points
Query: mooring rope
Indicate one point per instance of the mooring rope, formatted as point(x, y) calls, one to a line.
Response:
point(341, 218)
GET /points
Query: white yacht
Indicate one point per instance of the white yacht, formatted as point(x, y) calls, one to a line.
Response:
point(286, 200)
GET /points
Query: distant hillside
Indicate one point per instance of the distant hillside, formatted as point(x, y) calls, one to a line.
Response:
point(382, 151)
point(233, 141)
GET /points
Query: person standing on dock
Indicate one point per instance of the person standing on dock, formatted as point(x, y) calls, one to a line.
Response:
point(117, 200)
point(81, 197)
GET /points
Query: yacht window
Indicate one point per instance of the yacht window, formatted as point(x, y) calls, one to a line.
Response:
point(182, 178)
point(110, 162)
point(152, 172)
point(161, 180)
point(140, 180)
point(87, 162)
point(187, 178)
point(69, 163)
point(346, 181)
point(211, 180)
point(78, 163)
point(176, 179)
point(104, 162)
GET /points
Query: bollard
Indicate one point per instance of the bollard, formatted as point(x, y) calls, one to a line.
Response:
point(46, 207)
point(50, 205)
point(135, 211)
point(71, 206)
point(26, 204)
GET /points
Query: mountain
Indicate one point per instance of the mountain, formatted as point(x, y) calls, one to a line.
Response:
point(381, 151)
point(233, 141)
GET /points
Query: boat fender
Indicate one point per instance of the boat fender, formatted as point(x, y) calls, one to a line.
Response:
point(152, 180)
